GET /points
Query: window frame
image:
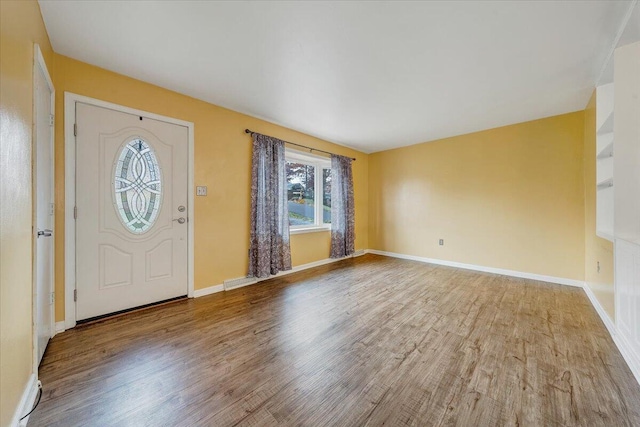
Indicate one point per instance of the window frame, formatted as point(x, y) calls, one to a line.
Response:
point(319, 163)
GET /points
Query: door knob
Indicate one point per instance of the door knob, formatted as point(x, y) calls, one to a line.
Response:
point(180, 220)
point(45, 233)
point(181, 209)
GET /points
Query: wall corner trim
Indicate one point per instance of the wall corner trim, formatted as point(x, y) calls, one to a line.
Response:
point(26, 401)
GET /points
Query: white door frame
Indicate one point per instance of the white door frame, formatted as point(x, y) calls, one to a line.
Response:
point(70, 100)
point(40, 65)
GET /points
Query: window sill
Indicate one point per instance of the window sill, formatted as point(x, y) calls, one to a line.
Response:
point(308, 230)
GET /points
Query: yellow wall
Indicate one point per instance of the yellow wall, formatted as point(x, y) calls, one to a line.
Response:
point(596, 249)
point(520, 197)
point(509, 198)
point(222, 162)
point(20, 27)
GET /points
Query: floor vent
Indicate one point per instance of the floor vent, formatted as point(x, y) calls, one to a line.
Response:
point(238, 283)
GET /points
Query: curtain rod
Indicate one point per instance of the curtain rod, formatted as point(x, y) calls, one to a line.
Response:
point(299, 145)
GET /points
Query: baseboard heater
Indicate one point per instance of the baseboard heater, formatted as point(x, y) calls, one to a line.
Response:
point(239, 283)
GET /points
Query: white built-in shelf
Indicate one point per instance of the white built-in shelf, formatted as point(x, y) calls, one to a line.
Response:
point(627, 151)
point(604, 171)
point(604, 210)
point(605, 184)
point(603, 140)
point(607, 126)
point(604, 106)
point(606, 152)
point(626, 226)
point(604, 160)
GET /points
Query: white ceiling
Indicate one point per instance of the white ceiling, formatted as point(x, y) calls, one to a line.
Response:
point(369, 75)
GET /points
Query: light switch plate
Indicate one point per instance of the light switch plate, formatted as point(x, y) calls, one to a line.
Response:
point(201, 190)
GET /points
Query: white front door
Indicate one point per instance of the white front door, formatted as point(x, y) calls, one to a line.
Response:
point(43, 269)
point(132, 212)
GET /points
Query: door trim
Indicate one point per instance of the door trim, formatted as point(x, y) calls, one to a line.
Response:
point(40, 65)
point(70, 100)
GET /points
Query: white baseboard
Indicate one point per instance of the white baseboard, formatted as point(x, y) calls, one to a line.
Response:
point(611, 327)
point(60, 327)
point(246, 281)
point(625, 349)
point(513, 273)
point(208, 291)
point(302, 267)
point(26, 402)
point(633, 360)
point(629, 355)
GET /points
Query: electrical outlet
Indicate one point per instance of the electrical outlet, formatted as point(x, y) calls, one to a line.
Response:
point(201, 190)
point(441, 242)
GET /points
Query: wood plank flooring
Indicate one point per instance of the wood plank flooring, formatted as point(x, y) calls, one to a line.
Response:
point(367, 341)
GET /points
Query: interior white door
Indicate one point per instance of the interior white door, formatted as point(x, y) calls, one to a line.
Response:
point(132, 212)
point(43, 269)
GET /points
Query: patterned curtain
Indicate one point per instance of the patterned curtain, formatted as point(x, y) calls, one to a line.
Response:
point(343, 234)
point(269, 250)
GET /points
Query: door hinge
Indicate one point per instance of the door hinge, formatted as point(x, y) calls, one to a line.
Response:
point(75, 295)
point(75, 129)
point(52, 208)
point(51, 119)
point(53, 297)
point(75, 212)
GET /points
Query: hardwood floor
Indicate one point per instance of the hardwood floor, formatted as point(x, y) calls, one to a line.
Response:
point(365, 341)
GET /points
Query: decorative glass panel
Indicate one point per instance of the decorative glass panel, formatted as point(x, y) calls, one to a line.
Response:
point(137, 186)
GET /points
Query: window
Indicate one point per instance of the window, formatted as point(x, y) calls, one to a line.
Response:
point(137, 186)
point(308, 191)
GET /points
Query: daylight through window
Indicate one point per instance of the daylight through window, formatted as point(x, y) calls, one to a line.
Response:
point(308, 191)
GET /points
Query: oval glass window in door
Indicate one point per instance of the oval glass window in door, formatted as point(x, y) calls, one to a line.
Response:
point(137, 186)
